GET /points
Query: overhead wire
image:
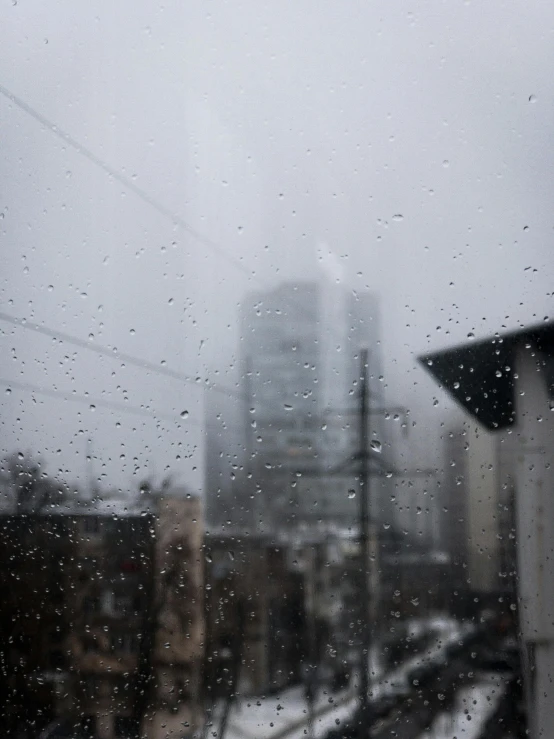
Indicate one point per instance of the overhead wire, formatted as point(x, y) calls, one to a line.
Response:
point(144, 364)
point(156, 205)
point(176, 219)
point(114, 353)
point(112, 405)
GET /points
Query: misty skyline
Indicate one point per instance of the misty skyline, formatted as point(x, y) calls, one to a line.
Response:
point(415, 146)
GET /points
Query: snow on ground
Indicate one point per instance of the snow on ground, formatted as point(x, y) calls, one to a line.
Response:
point(261, 718)
point(339, 715)
point(447, 632)
point(473, 706)
point(286, 714)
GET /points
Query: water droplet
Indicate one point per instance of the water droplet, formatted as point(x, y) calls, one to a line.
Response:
point(398, 217)
point(376, 446)
point(446, 164)
point(287, 407)
point(351, 494)
point(184, 414)
point(532, 98)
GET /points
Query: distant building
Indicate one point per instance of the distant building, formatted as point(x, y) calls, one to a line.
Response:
point(300, 347)
point(220, 451)
point(254, 615)
point(415, 583)
point(274, 604)
point(119, 610)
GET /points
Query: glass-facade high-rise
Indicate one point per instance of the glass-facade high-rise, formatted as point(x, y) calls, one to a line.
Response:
point(300, 354)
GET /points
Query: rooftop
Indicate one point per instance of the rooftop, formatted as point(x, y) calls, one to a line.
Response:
point(480, 374)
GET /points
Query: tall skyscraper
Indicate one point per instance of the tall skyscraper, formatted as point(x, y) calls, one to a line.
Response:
point(300, 359)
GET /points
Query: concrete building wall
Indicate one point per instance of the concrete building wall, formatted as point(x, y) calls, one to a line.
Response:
point(483, 497)
point(453, 498)
point(179, 636)
point(533, 445)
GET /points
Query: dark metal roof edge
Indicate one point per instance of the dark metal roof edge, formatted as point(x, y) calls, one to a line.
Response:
point(510, 337)
point(488, 398)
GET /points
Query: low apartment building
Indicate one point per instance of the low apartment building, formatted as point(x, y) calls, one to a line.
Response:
point(118, 602)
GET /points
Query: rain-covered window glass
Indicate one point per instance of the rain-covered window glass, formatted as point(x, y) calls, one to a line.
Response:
point(276, 428)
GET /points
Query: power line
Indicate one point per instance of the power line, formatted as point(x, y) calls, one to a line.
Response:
point(116, 354)
point(139, 192)
point(112, 405)
point(125, 181)
point(144, 364)
point(163, 210)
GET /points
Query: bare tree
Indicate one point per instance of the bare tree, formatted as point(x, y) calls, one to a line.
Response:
point(32, 490)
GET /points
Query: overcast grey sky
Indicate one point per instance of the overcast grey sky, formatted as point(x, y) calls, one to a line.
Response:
point(415, 139)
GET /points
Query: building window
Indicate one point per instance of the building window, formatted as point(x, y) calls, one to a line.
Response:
point(91, 525)
point(124, 727)
point(88, 726)
point(91, 604)
point(90, 645)
point(125, 643)
point(56, 635)
point(91, 686)
point(57, 659)
point(122, 604)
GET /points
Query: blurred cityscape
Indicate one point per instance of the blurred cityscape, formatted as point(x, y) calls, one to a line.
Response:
point(325, 588)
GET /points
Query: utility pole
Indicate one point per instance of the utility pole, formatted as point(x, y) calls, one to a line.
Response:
point(361, 461)
point(365, 550)
point(249, 419)
point(92, 481)
point(312, 662)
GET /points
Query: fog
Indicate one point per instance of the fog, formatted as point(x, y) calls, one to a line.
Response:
point(413, 144)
